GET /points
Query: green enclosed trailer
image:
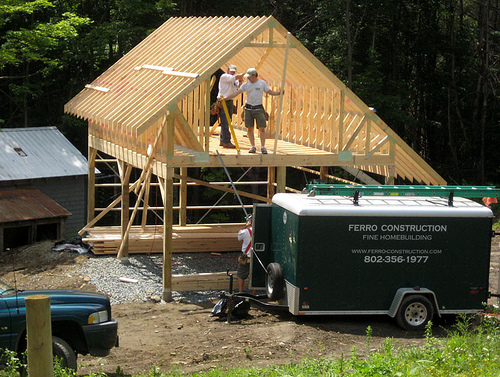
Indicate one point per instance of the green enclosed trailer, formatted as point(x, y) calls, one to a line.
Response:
point(397, 253)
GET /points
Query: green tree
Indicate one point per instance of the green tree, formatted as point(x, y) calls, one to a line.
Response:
point(33, 39)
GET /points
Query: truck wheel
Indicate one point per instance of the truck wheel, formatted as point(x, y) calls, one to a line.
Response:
point(63, 351)
point(414, 312)
point(274, 281)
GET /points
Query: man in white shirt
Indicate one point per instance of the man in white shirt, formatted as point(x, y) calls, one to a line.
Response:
point(254, 111)
point(229, 82)
point(243, 270)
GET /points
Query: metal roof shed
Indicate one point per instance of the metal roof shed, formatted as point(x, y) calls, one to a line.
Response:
point(28, 215)
point(41, 157)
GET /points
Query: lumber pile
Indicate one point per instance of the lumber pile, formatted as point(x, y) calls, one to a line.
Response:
point(203, 282)
point(190, 238)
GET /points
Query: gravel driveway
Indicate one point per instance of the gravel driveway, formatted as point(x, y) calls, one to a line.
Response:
point(105, 273)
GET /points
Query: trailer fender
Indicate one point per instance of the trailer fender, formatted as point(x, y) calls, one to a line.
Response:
point(401, 293)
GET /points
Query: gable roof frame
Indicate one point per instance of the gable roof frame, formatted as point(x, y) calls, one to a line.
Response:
point(190, 50)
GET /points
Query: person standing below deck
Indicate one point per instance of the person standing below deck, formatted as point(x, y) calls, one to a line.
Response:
point(229, 82)
point(243, 271)
point(254, 111)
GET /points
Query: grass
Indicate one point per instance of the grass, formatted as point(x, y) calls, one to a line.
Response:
point(496, 212)
point(467, 350)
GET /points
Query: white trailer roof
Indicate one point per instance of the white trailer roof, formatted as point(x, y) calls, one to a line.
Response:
point(380, 206)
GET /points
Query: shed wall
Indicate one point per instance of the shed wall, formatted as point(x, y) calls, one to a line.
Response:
point(71, 193)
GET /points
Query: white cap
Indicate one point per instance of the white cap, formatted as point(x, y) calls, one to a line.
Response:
point(250, 72)
point(231, 68)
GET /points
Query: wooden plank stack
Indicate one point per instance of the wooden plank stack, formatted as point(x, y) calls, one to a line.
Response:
point(190, 238)
point(205, 281)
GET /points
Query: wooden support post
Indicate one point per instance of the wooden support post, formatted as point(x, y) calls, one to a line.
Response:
point(125, 214)
point(91, 184)
point(183, 197)
point(271, 181)
point(323, 174)
point(281, 178)
point(167, 234)
point(170, 135)
point(146, 202)
point(368, 136)
point(389, 180)
point(39, 331)
point(280, 106)
point(341, 121)
point(208, 87)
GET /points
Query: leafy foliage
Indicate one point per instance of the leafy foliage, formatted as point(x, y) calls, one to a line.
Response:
point(429, 68)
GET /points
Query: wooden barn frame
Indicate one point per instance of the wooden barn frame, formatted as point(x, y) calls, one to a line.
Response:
point(150, 111)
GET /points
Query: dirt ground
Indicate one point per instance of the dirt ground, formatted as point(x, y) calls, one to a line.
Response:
point(183, 337)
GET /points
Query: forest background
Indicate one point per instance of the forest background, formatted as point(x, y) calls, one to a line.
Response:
point(430, 68)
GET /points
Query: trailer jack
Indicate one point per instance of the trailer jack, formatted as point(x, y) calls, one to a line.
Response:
point(237, 305)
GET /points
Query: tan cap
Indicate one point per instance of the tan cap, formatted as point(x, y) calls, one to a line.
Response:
point(250, 72)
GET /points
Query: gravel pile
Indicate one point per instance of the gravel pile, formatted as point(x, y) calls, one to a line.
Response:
point(141, 279)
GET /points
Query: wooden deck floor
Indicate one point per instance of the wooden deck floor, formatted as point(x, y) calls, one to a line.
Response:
point(288, 153)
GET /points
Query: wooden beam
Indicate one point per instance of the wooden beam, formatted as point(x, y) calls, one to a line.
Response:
point(123, 250)
point(202, 282)
point(361, 175)
point(146, 202)
point(207, 131)
point(312, 171)
point(125, 170)
point(91, 183)
point(186, 131)
point(222, 188)
point(354, 134)
point(380, 144)
point(167, 234)
point(341, 121)
point(271, 181)
point(108, 208)
point(323, 174)
point(282, 88)
point(170, 135)
point(183, 197)
point(150, 156)
point(280, 178)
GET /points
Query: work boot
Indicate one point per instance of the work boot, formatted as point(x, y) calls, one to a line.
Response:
point(263, 150)
point(228, 145)
point(252, 150)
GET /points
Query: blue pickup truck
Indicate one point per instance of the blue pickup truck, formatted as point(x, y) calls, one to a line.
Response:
point(81, 322)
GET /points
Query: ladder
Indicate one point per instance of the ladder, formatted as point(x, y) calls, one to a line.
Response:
point(403, 190)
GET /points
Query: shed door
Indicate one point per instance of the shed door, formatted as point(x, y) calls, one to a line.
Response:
point(261, 242)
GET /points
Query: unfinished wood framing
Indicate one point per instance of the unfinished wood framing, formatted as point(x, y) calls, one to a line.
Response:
point(154, 116)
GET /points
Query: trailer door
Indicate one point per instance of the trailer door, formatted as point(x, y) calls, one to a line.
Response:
point(261, 243)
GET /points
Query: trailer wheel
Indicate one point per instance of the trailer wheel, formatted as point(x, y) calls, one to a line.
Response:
point(274, 281)
point(415, 312)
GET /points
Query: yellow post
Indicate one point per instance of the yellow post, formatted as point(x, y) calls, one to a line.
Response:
point(230, 124)
point(39, 331)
